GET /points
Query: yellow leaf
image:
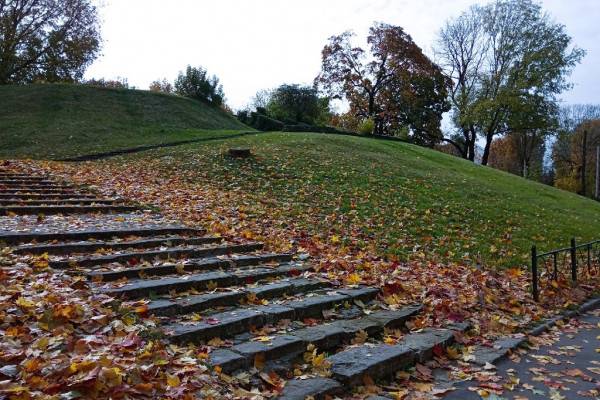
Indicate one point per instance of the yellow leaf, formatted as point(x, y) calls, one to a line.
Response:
point(173, 380)
point(196, 317)
point(361, 337)
point(353, 279)
point(24, 303)
point(318, 361)
point(334, 239)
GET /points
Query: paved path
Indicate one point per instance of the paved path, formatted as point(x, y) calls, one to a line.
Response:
point(566, 366)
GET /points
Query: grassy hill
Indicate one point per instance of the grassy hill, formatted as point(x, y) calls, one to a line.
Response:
point(60, 120)
point(374, 196)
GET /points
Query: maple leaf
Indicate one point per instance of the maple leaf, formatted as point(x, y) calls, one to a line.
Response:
point(353, 279)
point(360, 337)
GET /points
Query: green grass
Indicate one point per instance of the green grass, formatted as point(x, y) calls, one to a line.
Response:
point(398, 199)
point(60, 120)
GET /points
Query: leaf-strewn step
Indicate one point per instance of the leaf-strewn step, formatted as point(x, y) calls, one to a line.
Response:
point(174, 252)
point(323, 336)
point(44, 196)
point(234, 322)
point(315, 388)
point(25, 237)
point(382, 360)
point(206, 264)
point(146, 287)
point(39, 190)
point(35, 186)
point(38, 202)
point(5, 181)
point(201, 302)
point(64, 209)
point(90, 247)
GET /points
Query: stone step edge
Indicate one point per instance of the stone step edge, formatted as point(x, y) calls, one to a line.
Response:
point(379, 362)
point(266, 291)
point(66, 247)
point(174, 252)
point(240, 321)
point(29, 202)
point(327, 336)
point(201, 281)
point(207, 264)
point(27, 237)
point(50, 210)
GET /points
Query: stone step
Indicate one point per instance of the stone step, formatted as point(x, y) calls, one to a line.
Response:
point(150, 255)
point(23, 176)
point(84, 200)
point(4, 181)
point(37, 196)
point(148, 287)
point(323, 336)
point(206, 264)
point(231, 323)
point(34, 185)
point(205, 301)
point(317, 388)
point(39, 237)
point(39, 190)
point(65, 209)
point(90, 247)
point(382, 361)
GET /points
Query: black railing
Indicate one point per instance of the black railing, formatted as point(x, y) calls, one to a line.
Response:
point(569, 263)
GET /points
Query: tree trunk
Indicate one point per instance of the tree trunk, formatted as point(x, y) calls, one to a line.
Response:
point(583, 163)
point(471, 142)
point(486, 150)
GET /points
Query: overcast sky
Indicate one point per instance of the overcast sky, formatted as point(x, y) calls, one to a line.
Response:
point(252, 45)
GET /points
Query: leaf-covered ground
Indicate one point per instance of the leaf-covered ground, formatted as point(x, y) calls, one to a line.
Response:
point(422, 226)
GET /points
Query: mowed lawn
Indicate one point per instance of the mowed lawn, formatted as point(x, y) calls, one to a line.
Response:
point(51, 121)
point(392, 198)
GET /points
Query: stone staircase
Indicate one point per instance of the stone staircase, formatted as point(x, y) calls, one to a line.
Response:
point(257, 309)
point(24, 194)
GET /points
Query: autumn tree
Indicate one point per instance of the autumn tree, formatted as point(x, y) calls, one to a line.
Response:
point(161, 86)
point(297, 104)
point(197, 84)
point(393, 83)
point(573, 151)
point(48, 40)
point(503, 59)
point(519, 154)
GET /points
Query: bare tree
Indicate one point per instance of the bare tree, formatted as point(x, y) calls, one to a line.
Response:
point(460, 51)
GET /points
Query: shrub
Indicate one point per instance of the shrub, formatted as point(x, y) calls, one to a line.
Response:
point(161, 86)
point(264, 123)
point(119, 83)
point(367, 126)
point(196, 84)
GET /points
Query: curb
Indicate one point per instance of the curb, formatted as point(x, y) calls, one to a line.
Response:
point(502, 347)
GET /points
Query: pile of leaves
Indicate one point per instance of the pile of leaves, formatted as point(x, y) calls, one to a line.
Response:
point(59, 338)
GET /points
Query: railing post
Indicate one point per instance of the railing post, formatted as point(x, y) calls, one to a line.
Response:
point(534, 274)
point(573, 260)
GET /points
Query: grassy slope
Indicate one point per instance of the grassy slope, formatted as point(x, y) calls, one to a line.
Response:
point(47, 121)
point(404, 199)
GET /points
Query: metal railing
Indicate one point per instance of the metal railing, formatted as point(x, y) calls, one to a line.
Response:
point(566, 264)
